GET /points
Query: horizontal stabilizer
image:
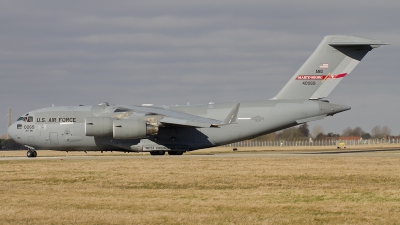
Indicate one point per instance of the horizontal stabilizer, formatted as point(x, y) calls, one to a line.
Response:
point(355, 41)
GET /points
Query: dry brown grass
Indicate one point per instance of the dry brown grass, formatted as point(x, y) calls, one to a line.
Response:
point(179, 190)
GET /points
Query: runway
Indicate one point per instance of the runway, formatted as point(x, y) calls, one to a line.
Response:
point(305, 153)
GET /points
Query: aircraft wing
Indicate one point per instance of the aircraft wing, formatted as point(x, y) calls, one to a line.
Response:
point(172, 117)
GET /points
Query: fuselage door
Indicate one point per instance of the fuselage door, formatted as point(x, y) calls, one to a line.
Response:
point(53, 138)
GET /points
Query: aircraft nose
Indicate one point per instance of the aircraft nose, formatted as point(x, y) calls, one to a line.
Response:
point(12, 131)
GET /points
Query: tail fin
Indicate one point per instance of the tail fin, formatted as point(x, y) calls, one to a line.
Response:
point(335, 57)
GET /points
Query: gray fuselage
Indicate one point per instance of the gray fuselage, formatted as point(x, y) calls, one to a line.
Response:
point(63, 128)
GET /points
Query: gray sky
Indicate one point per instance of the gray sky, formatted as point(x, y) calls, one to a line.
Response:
point(174, 52)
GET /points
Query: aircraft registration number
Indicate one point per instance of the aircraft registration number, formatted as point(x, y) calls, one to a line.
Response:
point(308, 82)
point(29, 127)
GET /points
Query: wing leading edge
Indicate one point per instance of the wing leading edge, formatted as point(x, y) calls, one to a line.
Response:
point(176, 118)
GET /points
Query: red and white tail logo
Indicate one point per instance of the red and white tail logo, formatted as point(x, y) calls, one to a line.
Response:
point(320, 77)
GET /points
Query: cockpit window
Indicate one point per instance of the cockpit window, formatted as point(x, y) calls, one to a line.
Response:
point(26, 119)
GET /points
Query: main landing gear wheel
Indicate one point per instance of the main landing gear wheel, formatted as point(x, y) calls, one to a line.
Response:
point(31, 154)
point(175, 153)
point(157, 153)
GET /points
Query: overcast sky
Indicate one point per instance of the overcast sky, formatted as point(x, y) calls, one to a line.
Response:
point(175, 52)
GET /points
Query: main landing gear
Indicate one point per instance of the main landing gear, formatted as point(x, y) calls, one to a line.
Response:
point(31, 153)
point(175, 153)
point(169, 153)
point(157, 153)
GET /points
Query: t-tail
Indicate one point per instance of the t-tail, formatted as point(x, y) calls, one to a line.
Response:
point(335, 57)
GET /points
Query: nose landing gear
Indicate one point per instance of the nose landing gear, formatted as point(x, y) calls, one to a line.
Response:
point(31, 153)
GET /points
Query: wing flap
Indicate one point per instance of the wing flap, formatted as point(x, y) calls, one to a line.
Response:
point(184, 122)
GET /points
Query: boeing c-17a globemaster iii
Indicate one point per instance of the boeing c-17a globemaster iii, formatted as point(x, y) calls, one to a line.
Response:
point(178, 129)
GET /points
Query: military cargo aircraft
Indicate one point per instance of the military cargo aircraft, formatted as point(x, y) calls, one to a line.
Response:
point(179, 129)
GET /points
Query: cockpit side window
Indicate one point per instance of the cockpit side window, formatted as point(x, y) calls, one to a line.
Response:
point(26, 119)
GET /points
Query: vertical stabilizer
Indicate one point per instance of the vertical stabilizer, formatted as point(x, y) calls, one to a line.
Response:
point(335, 57)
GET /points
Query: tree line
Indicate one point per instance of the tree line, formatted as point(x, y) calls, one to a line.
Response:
point(303, 132)
point(10, 144)
point(378, 132)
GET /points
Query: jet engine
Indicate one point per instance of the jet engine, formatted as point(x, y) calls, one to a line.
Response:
point(119, 129)
point(98, 126)
point(132, 129)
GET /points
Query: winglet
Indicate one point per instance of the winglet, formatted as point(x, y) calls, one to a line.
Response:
point(232, 116)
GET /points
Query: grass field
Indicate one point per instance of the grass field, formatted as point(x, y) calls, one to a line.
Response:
point(179, 190)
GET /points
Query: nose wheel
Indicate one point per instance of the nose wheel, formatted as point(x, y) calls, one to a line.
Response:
point(31, 153)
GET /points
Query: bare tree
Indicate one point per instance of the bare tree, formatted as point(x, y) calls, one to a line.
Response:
point(289, 133)
point(303, 129)
point(357, 131)
point(347, 131)
point(317, 130)
point(386, 131)
point(376, 132)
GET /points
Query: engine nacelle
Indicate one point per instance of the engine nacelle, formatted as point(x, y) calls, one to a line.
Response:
point(132, 129)
point(98, 126)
